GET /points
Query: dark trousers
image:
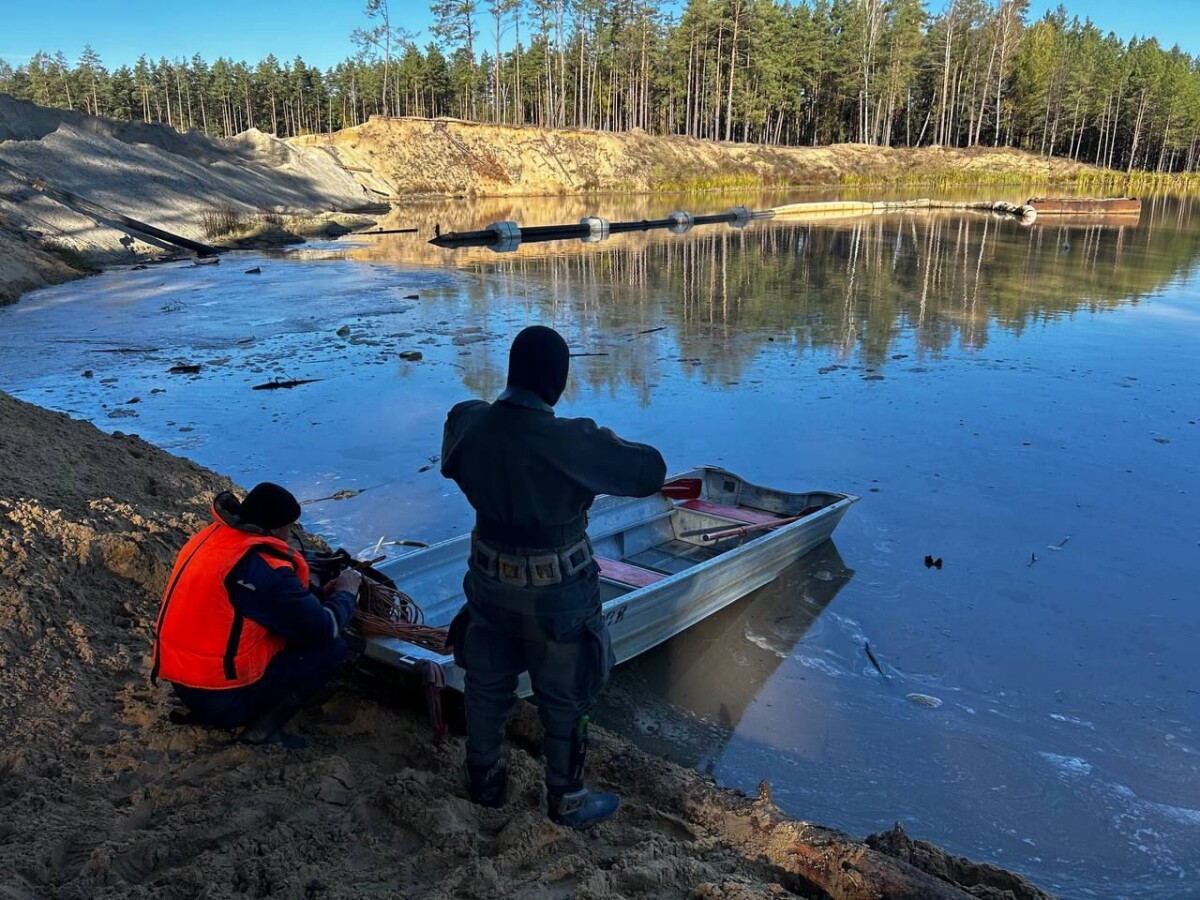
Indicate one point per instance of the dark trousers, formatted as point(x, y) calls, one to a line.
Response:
point(301, 673)
point(557, 635)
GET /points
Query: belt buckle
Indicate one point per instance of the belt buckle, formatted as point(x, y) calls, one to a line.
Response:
point(576, 557)
point(485, 559)
point(545, 570)
point(512, 570)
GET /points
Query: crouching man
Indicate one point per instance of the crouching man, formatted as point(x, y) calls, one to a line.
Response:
point(240, 635)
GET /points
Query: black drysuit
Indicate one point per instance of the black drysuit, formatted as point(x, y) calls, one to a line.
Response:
point(531, 478)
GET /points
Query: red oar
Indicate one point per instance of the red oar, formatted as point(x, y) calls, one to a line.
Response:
point(683, 488)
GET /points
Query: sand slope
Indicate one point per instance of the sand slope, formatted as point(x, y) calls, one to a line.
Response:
point(149, 172)
point(101, 796)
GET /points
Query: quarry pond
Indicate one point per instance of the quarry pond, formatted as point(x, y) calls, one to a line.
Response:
point(1018, 401)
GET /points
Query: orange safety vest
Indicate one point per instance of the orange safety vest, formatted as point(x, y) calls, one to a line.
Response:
point(201, 640)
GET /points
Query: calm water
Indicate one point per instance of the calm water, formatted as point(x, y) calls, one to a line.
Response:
point(1019, 401)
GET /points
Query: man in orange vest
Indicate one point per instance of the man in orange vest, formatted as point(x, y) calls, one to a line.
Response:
point(240, 635)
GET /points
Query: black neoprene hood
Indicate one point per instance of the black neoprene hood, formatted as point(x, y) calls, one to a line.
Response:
point(538, 362)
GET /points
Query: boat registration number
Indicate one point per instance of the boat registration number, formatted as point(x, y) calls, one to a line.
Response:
point(614, 616)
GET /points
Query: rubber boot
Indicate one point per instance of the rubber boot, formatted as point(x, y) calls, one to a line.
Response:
point(580, 809)
point(268, 728)
point(488, 785)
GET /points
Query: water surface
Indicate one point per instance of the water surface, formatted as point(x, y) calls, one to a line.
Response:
point(1018, 401)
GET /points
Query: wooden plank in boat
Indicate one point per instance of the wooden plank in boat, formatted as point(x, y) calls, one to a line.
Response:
point(624, 573)
point(737, 513)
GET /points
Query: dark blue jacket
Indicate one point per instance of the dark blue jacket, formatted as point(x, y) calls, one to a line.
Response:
point(277, 600)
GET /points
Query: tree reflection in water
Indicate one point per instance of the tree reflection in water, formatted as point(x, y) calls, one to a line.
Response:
point(849, 286)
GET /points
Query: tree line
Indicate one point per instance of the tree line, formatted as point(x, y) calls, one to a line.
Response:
point(884, 72)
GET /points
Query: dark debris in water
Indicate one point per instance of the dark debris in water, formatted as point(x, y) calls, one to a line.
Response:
point(343, 494)
point(931, 563)
point(280, 384)
point(874, 661)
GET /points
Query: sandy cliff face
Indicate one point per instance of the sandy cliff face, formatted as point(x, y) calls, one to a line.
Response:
point(403, 156)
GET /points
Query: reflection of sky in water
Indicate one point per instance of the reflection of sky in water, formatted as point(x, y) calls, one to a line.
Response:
point(989, 389)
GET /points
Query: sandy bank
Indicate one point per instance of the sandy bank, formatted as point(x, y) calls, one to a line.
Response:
point(402, 156)
point(148, 172)
point(101, 796)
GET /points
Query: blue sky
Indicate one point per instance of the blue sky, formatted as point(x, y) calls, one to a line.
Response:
point(319, 30)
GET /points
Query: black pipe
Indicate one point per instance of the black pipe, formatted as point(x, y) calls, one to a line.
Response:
point(533, 234)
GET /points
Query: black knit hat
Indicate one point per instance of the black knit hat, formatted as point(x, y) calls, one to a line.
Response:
point(538, 362)
point(269, 506)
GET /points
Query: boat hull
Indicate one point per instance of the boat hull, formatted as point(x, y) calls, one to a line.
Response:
point(638, 619)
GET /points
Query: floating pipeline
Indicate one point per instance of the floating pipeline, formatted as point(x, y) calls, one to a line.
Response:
point(503, 237)
point(506, 236)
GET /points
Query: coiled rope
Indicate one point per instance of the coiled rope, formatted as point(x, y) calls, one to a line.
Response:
point(387, 611)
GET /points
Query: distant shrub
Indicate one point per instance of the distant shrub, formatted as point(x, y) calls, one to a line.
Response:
point(270, 217)
point(221, 220)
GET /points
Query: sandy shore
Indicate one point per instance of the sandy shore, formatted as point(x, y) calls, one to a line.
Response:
point(102, 796)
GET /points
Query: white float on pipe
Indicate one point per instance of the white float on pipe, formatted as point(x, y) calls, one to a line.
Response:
point(508, 236)
point(598, 229)
point(682, 222)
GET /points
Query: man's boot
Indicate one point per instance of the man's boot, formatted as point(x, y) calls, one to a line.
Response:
point(581, 808)
point(268, 728)
point(488, 785)
point(567, 800)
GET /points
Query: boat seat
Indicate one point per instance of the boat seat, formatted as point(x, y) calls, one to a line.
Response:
point(627, 573)
point(737, 513)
